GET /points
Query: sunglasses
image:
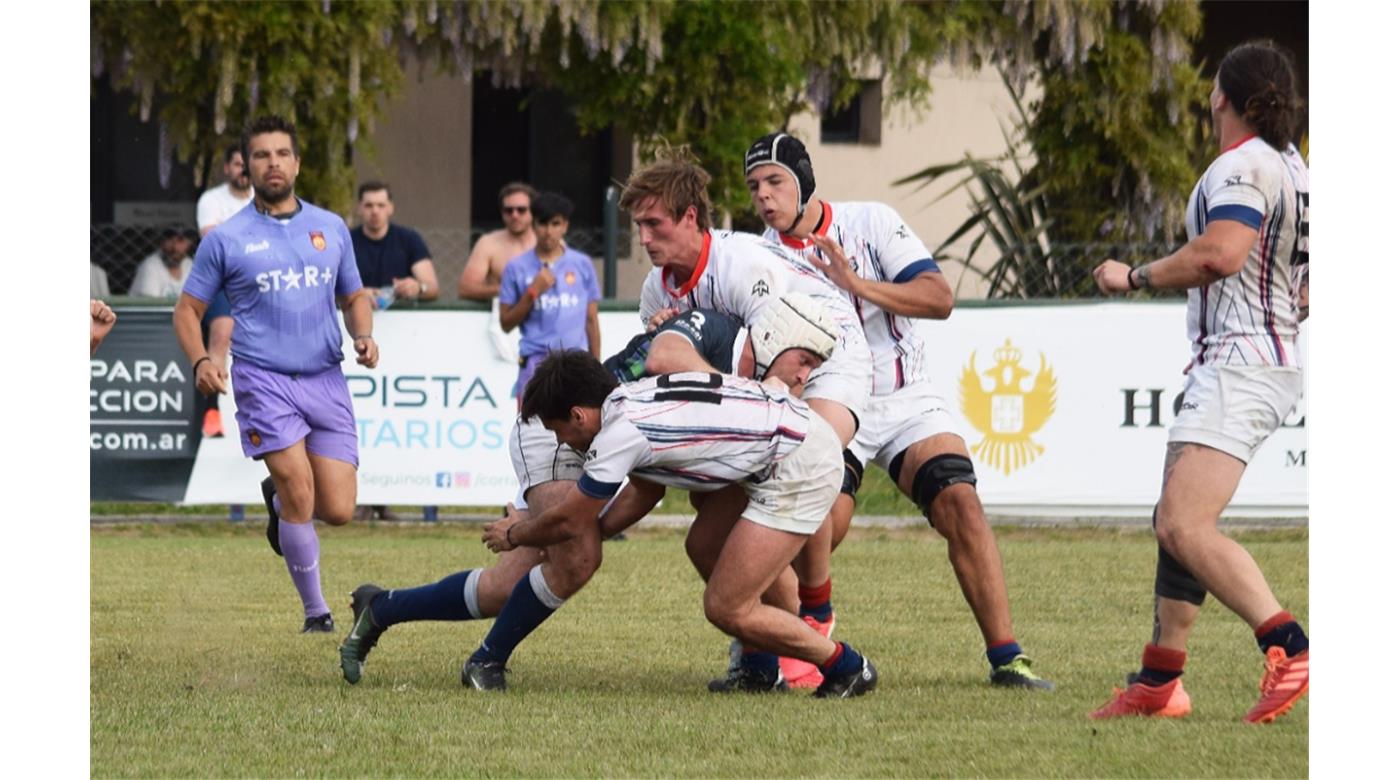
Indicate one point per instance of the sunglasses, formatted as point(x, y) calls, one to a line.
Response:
point(515, 209)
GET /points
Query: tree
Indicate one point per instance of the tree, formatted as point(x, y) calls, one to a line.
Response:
point(712, 75)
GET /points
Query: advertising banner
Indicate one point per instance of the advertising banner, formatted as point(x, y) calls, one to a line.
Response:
point(1065, 409)
point(143, 412)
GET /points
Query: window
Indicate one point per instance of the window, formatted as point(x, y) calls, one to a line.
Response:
point(858, 122)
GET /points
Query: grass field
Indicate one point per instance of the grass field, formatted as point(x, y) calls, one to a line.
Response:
point(197, 668)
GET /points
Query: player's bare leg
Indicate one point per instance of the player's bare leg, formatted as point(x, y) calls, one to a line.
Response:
point(841, 514)
point(751, 561)
point(1198, 484)
point(955, 512)
point(1195, 558)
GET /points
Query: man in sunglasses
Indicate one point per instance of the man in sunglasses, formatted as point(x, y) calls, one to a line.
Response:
point(481, 279)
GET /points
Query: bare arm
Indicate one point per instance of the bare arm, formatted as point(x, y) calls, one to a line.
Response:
point(1219, 252)
point(473, 284)
point(926, 296)
point(209, 377)
point(423, 283)
point(638, 497)
point(103, 318)
point(359, 320)
point(519, 311)
point(672, 353)
point(552, 526)
point(595, 335)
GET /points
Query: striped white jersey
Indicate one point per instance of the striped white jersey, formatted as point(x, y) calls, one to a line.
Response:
point(696, 431)
point(881, 248)
point(740, 274)
point(1251, 318)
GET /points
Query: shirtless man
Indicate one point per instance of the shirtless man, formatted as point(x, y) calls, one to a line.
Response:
point(481, 279)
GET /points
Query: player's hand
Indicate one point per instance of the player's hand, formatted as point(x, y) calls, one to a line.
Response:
point(210, 379)
point(660, 317)
point(543, 280)
point(407, 287)
point(496, 535)
point(366, 351)
point(832, 261)
point(103, 318)
point(1112, 277)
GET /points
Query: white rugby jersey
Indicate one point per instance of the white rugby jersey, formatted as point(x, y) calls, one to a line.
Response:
point(696, 431)
point(1251, 318)
point(740, 274)
point(881, 248)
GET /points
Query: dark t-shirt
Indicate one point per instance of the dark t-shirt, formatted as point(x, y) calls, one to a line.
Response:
point(391, 257)
point(713, 333)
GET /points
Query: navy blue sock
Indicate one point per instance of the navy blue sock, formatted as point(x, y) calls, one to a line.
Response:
point(1000, 655)
point(843, 662)
point(759, 661)
point(523, 612)
point(1282, 630)
point(442, 600)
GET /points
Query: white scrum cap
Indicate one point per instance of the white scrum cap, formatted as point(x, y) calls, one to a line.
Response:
point(793, 321)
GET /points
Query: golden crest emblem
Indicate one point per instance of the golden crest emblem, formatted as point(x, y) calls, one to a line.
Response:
point(1007, 413)
point(318, 240)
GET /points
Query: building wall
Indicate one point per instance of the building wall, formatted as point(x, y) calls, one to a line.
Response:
point(965, 115)
point(424, 142)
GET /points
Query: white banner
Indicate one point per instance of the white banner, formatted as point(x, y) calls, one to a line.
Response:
point(435, 417)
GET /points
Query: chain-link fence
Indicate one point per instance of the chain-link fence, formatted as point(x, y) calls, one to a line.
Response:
point(119, 249)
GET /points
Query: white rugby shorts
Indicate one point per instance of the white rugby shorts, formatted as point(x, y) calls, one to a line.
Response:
point(1235, 408)
point(538, 457)
point(895, 421)
point(798, 494)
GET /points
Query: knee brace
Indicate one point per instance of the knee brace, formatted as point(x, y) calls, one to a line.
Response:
point(853, 475)
point(1173, 579)
point(1175, 582)
point(937, 474)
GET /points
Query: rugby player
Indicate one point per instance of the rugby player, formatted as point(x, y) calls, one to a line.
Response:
point(703, 431)
point(891, 279)
point(792, 338)
point(1245, 267)
point(286, 266)
point(740, 274)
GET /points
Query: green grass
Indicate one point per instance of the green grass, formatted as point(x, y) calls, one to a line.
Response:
point(198, 669)
point(878, 496)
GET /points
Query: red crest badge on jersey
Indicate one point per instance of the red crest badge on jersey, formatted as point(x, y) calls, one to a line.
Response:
point(569, 278)
point(254, 438)
point(318, 240)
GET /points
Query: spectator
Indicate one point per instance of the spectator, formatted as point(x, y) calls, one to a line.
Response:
point(163, 272)
point(390, 257)
point(550, 291)
point(481, 279)
point(221, 202)
point(98, 287)
point(215, 206)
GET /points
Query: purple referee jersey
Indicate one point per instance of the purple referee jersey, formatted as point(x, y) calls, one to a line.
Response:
point(282, 279)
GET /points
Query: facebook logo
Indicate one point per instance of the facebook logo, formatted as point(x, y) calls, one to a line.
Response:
point(443, 479)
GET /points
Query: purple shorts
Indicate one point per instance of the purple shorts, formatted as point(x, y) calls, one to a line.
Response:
point(527, 370)
point(277, 410)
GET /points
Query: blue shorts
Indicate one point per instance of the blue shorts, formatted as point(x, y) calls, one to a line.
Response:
point(277, 410)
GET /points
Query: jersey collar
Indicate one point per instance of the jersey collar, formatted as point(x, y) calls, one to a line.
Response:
point(823, 225)
point(695, 275)
point(1241, 142)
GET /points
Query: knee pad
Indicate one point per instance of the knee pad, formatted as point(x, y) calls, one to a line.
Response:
point(853, 475)
point(937, 474)
point(1173, 579)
